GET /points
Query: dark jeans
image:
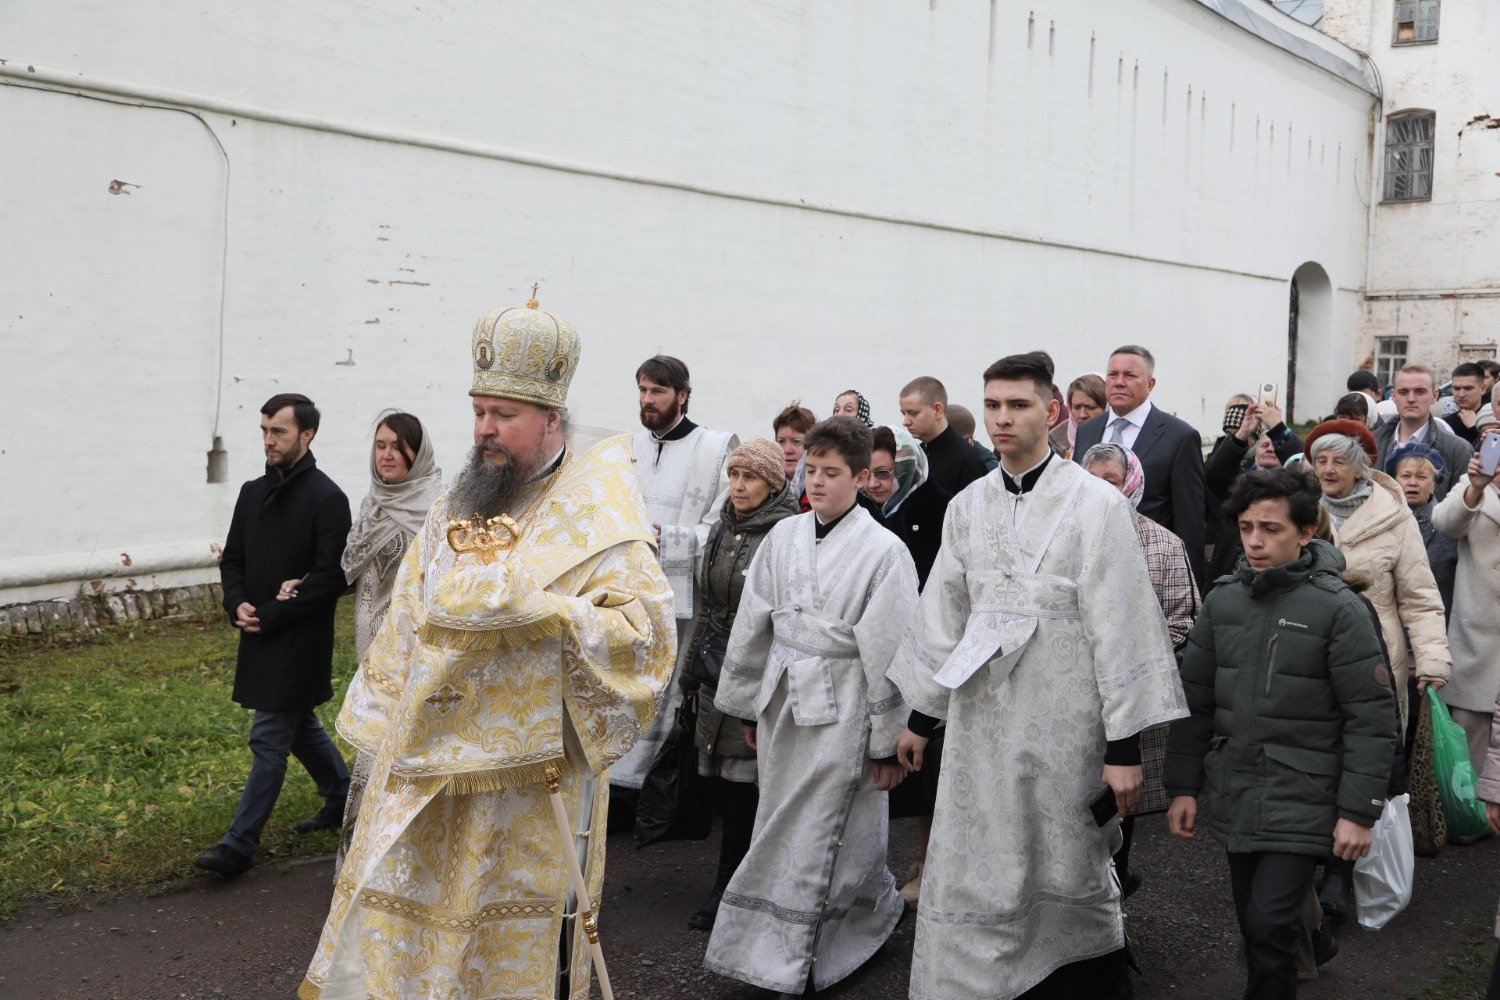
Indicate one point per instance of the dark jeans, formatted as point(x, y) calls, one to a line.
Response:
point(273, 737)
point(1269, 889)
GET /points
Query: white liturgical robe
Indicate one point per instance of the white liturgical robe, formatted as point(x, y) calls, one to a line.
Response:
point(1039, 638)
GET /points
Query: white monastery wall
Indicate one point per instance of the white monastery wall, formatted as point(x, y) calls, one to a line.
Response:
point(795, 198)
point(1435, 265)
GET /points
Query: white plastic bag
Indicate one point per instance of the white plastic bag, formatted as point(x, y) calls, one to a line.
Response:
point(1382, 878)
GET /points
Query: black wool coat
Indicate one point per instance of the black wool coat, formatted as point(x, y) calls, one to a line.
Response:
point(285, 529)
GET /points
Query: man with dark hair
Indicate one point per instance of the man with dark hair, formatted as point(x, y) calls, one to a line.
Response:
point(951, 463)
point(683, 471)
point(1293, 722)
point(1415, 393)
point(1365, 381)
point(1170, 450)
point(290, 524)
point(823, 608)
point(1041, 642)
point(1468, 395)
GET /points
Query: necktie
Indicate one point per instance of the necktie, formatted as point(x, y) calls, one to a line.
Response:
point(1117, 431)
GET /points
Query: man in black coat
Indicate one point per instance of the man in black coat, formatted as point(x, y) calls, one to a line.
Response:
point(1170, 450)
point(952, 462)
point(289, 525)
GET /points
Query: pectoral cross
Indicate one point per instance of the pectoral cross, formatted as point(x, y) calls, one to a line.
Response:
point(444, 699)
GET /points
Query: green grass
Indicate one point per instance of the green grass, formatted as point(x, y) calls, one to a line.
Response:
point(124, 757)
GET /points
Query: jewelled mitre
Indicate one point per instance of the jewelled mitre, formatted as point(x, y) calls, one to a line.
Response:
point(526, 354)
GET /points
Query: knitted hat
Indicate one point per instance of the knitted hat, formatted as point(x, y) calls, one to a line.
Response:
point(1348, 428)
point(762, 458)
point(525, 354)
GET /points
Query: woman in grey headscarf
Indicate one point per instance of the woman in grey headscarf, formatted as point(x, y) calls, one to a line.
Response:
point(404, 483)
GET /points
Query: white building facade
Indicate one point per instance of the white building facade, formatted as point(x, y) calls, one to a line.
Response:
point(1432, 286)
point(210, 205)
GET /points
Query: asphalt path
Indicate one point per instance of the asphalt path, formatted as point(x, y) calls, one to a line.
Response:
point(251, 937)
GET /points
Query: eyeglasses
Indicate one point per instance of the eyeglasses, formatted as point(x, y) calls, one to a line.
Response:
point(883, 474)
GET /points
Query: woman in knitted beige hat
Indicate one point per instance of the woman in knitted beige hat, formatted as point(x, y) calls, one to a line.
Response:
point(758, 498)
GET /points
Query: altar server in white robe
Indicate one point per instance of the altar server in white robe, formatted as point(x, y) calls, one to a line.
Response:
point(827, 599)
point(1041, 643)
point(683, 471)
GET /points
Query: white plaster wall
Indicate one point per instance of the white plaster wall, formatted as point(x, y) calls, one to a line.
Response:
point(1185, 167)
point(1435, 265)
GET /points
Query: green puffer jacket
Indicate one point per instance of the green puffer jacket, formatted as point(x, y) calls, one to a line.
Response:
point(1292, 722)
point(731, 545)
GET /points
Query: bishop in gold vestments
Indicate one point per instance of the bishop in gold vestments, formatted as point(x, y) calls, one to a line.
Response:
point(492, 665)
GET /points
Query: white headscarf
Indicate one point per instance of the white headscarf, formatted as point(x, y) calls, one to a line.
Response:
point(911, 469)
point(396, 507)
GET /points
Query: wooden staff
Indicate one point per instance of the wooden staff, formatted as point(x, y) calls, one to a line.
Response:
point(586, 913)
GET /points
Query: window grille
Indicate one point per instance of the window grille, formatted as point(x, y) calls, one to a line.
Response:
point(1408, 156)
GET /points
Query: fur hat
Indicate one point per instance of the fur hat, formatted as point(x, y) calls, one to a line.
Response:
point(762, 458)
point(1348, 428)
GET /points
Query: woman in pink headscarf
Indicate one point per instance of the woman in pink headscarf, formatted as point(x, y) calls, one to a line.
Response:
point(1177, 593)
point(1083, 401)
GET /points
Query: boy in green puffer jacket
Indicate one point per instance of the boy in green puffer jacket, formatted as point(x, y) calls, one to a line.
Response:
point(1291, 728)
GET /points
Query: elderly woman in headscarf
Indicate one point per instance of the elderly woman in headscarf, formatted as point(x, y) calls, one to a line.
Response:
point(1084, 400)
point(1418, 469)
point(1177, 593)
point(405, 481)
point(1374, 529)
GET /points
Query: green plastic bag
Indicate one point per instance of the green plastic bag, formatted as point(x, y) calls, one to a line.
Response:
point(1454, 771)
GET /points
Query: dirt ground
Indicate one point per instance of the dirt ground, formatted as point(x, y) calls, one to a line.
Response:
point(251, 938)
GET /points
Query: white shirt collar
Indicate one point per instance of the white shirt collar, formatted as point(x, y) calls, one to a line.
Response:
point(1136, 417)
point(1419, 435)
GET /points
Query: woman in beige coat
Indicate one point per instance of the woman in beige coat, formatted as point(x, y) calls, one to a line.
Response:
point(1376, 532)
point(1489, 791)
point(1472, 515)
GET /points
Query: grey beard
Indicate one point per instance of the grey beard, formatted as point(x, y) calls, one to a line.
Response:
point(484, 490)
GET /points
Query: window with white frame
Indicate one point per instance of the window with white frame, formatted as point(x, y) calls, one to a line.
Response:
point(1408, 156)
point(1390, 357)
point(1416, 21)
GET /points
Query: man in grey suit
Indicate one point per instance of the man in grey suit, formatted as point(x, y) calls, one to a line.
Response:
point(1170, 450)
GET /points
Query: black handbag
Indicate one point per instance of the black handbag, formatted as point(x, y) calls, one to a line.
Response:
point(708, 655)
point(712, 638)
point(676, 802)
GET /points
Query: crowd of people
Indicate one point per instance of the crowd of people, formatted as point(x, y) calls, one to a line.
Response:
point(1027, 644)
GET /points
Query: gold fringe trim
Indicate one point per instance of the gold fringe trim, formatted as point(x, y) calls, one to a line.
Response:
point(307, 991)
point(471, 782)
point(493, 637)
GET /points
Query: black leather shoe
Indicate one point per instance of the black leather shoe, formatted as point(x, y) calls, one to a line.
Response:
point(1325, 947)
point(704, 919)
point(330, 817)
point(1130, 881)
point(1334, 896)
point(222, 860)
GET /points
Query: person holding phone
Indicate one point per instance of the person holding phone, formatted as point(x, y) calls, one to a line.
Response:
point(1292, 730)
point(1472, 516)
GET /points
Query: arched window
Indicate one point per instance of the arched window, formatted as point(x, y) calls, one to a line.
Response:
point(1408, 156)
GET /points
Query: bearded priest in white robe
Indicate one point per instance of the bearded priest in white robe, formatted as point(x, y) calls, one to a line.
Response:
point(1041, 644)
point(683, 470)
point(533, 641)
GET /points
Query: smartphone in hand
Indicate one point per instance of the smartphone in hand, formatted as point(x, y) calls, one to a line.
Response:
point(1489, 454)
point(1267, 393)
